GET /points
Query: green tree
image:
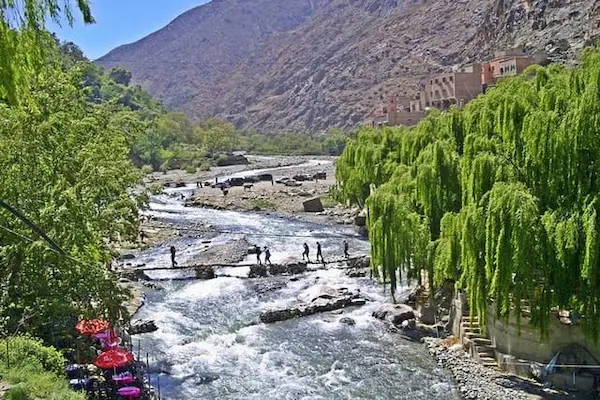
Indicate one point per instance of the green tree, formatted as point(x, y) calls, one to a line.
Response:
point(23, 52)
point(501, 196)
point(120, 75)
point(71, 160)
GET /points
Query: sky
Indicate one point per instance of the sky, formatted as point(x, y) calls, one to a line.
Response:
point(121, 21)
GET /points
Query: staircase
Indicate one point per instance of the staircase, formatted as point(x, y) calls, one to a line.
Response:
point(480, 347)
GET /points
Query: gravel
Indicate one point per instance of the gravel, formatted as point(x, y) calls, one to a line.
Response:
point(475, 381)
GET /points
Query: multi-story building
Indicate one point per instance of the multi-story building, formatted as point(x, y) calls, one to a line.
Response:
point(396, 111)
point(449, 88)
point(505, 63)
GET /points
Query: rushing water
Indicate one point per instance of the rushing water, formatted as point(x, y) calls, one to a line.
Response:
point(209, 345)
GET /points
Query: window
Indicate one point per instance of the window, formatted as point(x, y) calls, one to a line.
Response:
point(444, 79)
point(431, 82)
point(501, 71)
point(450, 78)
point(436, 80)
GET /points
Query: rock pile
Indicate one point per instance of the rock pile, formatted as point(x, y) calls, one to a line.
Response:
point(142, 326)
point(478, 382)
point(322, 299)
point(403, 319)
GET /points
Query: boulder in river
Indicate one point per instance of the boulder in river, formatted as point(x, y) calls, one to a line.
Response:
point(142, 326)
point(288, 269)
point(205, 272)
point(257, 270)
point(347, 321)
point(319, 299)
point(313, 205)
point(396, 314)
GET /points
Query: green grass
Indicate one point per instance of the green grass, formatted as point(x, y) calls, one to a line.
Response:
point(31, 382)
point(328, 201)
point(262, 204)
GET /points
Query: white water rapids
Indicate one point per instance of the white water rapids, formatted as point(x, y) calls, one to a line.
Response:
point(210, 346)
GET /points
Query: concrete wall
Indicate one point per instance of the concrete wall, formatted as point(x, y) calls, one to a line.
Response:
point(528, 344)
point(409, 118)
point(467, 86)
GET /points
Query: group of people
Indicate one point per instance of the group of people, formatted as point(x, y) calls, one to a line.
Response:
point(258, 252)
point(306, 253)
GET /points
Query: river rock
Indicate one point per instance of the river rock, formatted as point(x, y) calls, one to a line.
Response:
point(257, 271)
point(128, 256)
point(289, 269)
point(396, 314)
point(360, 262)
point(142, 326)
point(360, 220)
point(133, 275)
point(313, 205)
point(320, 299)
point(205, 272)
point(347, 321)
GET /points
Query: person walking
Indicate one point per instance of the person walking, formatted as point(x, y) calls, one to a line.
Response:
point(305, 253)
point(173, 262)
point(258, 253)
point(267, 256)
point(346, 255)
point(320, 253)
point(142, 236)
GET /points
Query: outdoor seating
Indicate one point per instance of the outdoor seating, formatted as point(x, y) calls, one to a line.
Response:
point(80, 384)
point(123, 379)
point(129, 392)
point(74, 371)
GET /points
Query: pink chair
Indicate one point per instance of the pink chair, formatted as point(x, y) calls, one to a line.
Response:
point(121, 380)
point(130, 392)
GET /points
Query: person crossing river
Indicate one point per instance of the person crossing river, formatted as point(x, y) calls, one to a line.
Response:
point(320, 253)
point(305, 253)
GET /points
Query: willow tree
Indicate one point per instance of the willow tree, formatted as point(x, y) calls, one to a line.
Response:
point(23, 40)
point(507, 189)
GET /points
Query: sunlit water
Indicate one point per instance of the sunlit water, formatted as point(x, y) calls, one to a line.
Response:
point(210, 345)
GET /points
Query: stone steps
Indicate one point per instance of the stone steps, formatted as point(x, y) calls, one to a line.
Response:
point(484, 351)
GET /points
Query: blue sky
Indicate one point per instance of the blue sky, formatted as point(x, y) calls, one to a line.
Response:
point(121, 21)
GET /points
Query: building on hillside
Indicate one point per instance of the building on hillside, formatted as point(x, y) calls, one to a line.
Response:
point(449, 88)
point(506, 63)
point(397, 111)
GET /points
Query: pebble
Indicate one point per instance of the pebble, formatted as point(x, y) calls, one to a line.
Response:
point(477, 382)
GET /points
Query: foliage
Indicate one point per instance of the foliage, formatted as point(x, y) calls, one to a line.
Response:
point(33, 370)
point(501, 196)
point(23, 53)
point(329, 143)
point(263, 204)
point(26, 350)
point(71, 160)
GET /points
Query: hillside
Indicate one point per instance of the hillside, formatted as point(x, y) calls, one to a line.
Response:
point(305, 65)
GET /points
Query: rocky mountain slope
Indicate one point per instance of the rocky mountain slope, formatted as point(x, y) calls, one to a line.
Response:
point(306, 65)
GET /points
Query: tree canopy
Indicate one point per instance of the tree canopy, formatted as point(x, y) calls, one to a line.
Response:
point(501, 196)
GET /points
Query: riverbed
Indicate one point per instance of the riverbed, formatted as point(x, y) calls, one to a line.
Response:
point(210, 344)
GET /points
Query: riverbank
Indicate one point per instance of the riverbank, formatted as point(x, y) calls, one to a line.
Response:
point(476, 382)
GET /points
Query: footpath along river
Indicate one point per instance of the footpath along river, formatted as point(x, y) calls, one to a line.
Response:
point(210, 345)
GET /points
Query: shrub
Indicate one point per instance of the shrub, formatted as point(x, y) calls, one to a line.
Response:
point(25, 350)
point(190, 169)
point(147, 169)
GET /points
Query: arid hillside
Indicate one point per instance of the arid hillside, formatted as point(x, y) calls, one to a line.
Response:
point(306, 65)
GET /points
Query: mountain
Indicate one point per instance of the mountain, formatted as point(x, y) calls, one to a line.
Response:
point(306, 65)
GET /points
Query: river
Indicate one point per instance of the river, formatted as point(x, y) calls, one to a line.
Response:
point(210, 346)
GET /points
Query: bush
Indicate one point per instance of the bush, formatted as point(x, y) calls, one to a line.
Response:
point(190, 169)
point(164, 167)
point(33, 383)
point(155, 188)
point(262, 204)
point(147, 169)
point(25, 350)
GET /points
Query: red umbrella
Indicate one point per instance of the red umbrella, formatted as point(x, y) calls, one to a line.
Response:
point(92, 326)
point(113, 359)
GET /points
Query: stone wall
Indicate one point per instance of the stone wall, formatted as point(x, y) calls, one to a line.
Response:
point(529, 345)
